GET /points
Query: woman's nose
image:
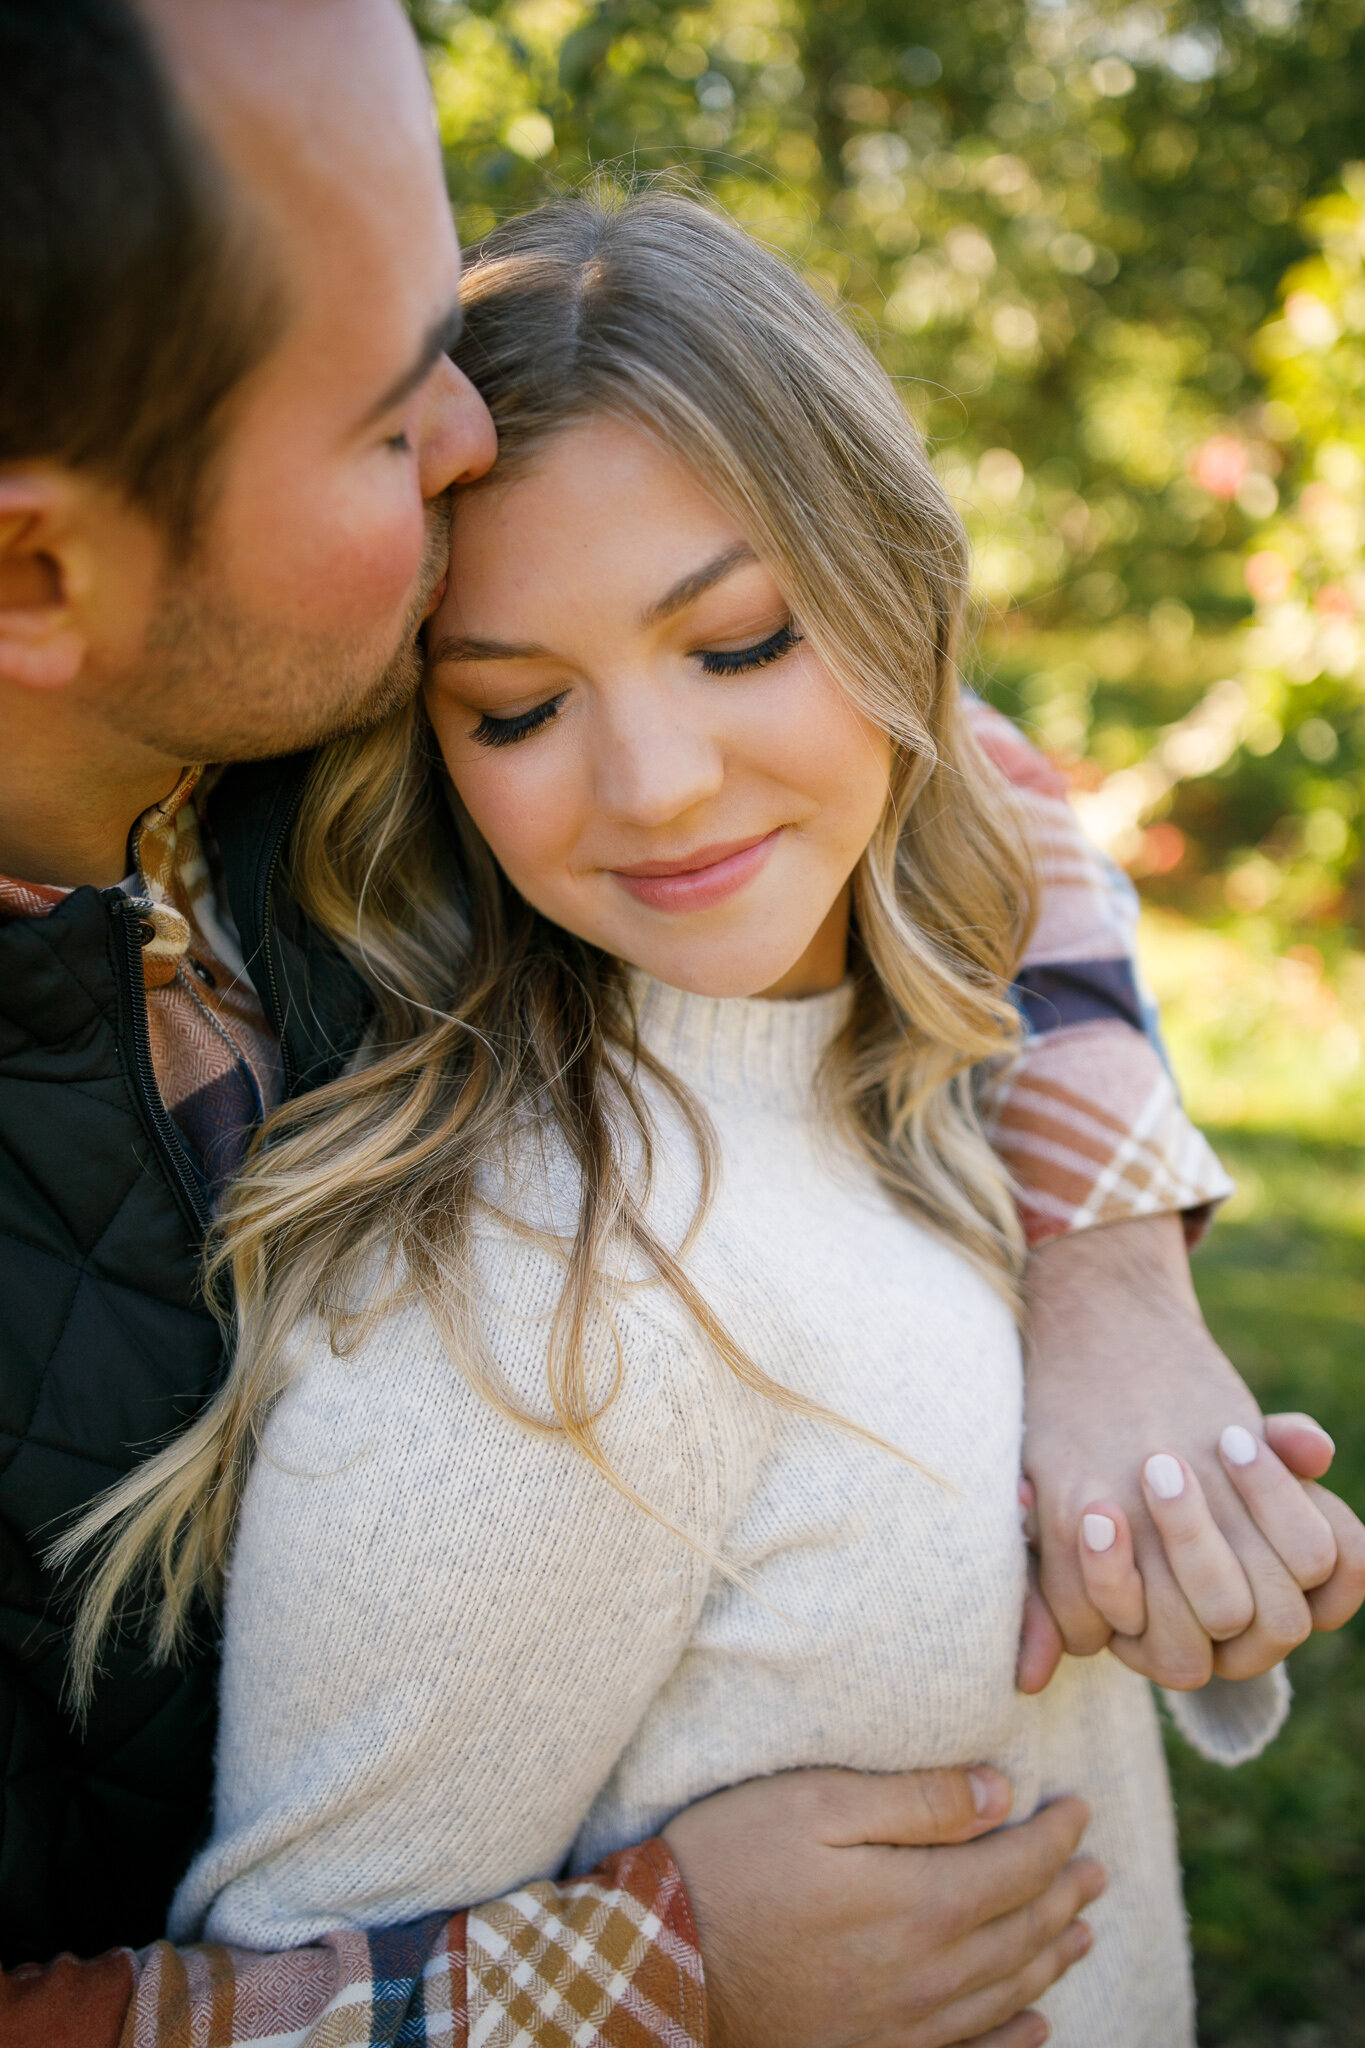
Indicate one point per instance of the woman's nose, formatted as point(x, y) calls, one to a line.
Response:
point(657, 768)
point(458, 441)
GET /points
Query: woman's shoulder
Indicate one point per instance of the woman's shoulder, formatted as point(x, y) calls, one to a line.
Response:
point(418, 1384)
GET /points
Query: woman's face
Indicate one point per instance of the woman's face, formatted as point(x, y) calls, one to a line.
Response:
point(655, 758)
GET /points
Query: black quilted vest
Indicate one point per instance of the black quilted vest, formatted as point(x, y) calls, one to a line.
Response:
point(105, 1347)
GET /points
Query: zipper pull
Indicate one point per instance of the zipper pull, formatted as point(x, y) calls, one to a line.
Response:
point(120, 905)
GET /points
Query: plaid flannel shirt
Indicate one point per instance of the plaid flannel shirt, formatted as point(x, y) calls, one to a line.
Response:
point(1090, 1124)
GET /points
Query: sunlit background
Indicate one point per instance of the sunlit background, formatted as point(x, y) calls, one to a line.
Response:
point(1116, 257)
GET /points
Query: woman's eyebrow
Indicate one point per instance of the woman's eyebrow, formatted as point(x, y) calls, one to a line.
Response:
point(694, 585)
point(684, 592)
point(452, 648)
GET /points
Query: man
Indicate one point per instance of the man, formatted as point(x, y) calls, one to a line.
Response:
point(227, 274)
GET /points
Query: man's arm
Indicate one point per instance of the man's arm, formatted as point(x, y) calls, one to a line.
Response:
point(1122, 1365)
point(1089, 1121)
point(833, 1908)
point(1114, 1184)
point(888, 1912)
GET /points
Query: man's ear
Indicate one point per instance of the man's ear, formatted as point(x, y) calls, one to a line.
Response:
point(44, 579)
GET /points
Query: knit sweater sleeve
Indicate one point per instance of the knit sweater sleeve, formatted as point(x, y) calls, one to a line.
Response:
point(381, 1659)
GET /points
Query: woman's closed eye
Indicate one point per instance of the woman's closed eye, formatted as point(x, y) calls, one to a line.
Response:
point(494, 731)
point(737, 661)
point(505, 732)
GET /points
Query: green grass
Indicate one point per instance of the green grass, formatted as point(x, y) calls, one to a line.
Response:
point(1275, 1853)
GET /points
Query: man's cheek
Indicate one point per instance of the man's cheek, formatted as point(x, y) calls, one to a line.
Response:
point(369, 569)
point(350, 566)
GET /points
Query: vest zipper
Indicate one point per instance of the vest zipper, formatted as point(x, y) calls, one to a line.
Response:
point(175, 1158)
point(270, 994)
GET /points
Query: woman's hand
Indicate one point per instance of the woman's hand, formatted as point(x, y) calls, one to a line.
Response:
point(838, 1910)
point(1172, 1520)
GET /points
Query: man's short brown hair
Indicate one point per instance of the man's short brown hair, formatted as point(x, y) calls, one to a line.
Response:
point(131, 303)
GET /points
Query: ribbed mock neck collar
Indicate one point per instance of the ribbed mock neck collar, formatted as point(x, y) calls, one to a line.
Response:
point(737, 1046)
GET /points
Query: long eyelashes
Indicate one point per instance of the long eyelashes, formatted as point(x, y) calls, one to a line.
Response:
point(732, 661)
point(736, 661)
point(504, 732)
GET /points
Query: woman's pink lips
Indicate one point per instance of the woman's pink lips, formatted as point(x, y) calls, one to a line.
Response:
point(702, 879)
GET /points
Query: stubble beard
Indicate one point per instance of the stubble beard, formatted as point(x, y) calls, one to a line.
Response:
point(214, 684)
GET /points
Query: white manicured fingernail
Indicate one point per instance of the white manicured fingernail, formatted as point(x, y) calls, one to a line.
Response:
point(984, 1785)
point(1099, 1532)
point(1238, 1445)
point(1164, 1476)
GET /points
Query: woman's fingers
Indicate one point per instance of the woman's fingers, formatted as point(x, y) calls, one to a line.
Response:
point(1109, 1568)
point(1203, 1561)
point(1040, 1639)
point(1281, 1507)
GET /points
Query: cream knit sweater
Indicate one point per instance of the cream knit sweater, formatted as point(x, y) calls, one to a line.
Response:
point(457, 1658)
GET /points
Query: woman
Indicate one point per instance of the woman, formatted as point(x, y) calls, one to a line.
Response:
point(669, 1138)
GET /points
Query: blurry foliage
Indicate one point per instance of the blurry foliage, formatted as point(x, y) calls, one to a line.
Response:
point(1274, 1853)
point(1305, 658)
point(1080, 233)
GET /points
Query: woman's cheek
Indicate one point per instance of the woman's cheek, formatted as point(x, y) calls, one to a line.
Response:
point(813, 738)
point(522, 817)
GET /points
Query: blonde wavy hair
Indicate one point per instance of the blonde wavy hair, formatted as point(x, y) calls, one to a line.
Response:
point(657, 310)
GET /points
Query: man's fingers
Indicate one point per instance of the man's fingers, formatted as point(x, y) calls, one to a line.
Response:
point(1173, 1649)
point(971, 2018)
point(1040, 1640)
point(1281, 1507)
point(1254, 1577)
point(1007, 1871)
point(1332, 1605)
point(906, 1809)
point(1112, 1579)
point(1303, 1444)
point(1028, 2030)
point(1205, 1565)
point(1002, 1948)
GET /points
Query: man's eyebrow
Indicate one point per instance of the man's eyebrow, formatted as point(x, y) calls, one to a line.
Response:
point(694, 585)
point(453, 648)
point(439, 340)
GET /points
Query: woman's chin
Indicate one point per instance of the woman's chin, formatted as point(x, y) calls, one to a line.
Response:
point(758, 974)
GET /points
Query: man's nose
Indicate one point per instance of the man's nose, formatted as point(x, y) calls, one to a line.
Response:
point(458, 439)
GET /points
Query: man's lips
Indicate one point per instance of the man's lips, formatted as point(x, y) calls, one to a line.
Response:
point(697, 880)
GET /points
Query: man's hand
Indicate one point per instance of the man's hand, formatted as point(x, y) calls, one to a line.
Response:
point(838, 1910)
point(1138, 1425)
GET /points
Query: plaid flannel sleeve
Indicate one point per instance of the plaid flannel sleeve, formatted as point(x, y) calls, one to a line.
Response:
point(1089, 1120)
point(608, 1961)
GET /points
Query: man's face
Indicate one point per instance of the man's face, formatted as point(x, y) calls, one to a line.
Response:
point(323, 540)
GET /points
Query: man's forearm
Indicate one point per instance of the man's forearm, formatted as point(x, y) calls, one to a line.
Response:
point(618, 1946)
point(1089, 1121)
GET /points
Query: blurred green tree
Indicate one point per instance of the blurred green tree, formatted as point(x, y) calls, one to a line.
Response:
point(1066, 223)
